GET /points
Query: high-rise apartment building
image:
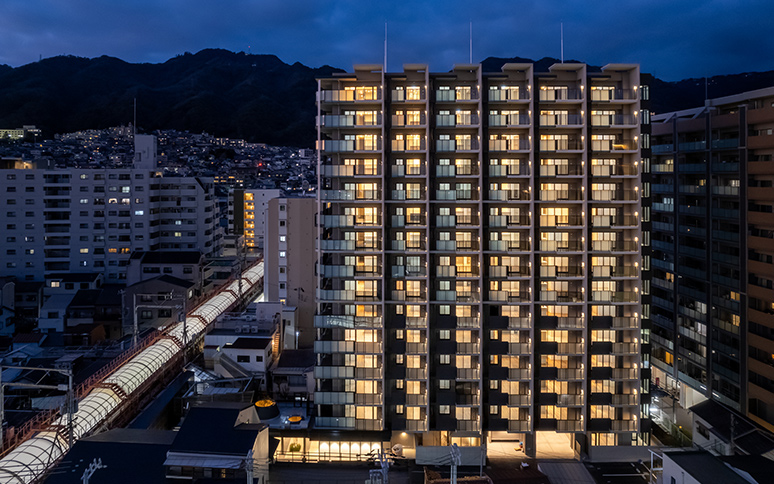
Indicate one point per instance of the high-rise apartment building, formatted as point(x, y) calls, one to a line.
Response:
point(479, 254)
point(91, 220)
point(713, 278)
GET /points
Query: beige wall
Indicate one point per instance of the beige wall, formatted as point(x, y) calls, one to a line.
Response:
point(298, 261)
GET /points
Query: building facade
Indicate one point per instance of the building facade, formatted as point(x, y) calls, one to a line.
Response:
point(713, 278)
point(290, 253)
point(91, 220)
point(479, 254)
point(248, 214)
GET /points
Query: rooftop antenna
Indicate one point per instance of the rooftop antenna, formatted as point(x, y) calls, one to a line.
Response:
point(385, 46)
point(134, 127)
point(561, 39)
point(470, 61)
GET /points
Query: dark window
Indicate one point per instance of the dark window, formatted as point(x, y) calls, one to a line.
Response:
point(243, 359)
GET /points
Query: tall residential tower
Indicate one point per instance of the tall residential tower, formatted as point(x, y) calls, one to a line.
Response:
point(479, 254)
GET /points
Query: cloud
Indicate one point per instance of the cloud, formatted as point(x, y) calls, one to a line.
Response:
point(674, 38)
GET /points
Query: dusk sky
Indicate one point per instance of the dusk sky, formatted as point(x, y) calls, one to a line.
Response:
point(674, 39)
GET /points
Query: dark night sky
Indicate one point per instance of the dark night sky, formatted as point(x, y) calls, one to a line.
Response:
point(673, 39)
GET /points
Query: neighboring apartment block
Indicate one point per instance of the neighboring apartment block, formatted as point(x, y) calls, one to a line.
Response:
point(289, 270)
point(247, 214)
point(479, 254)
point(713, 278)
point(91, 220)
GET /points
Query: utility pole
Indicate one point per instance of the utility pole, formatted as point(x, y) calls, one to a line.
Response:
point(69, 398)
point(456, 459)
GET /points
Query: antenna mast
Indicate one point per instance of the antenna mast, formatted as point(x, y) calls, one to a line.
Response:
point(561, 39)
point(470, 61)
point(385, 46)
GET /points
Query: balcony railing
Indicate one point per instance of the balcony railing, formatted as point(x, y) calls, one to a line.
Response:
point(446, 95)
point(510, 296)
point(606, 95)
point(615, 296)
point(509, 170)
point(569, 400)
point(626, 374)
point(349, 146)
point(561, 120)
point(512, 94)
point(347, 121)
point(399, 145)
point(411, 95)
point(368, 95)
point(401, 120)
point(509, 120)
point(569, 373)
point(519, 374)
point(605, 145)
point(509, 195)
point(456, 145)
point(561, 144)
point(452, 120)
point(509, 245)
point(549, 94)
point(509, 145)
point(348, 195)
point(613, 120)
point(614, 170)
point(350, 170)
point(569, 425)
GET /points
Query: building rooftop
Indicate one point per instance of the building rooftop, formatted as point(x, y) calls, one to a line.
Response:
point(168, 256)
point(705, 467)
point(247, 343)
point(214, 430)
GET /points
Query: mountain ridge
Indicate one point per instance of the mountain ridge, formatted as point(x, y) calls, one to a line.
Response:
point(256, 97)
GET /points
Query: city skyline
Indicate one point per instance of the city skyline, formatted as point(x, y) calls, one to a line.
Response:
point(684, 39)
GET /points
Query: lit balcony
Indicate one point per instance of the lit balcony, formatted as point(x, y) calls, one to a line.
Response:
point(509, 195)
point(347, 121)
point(334, 398)
point(519, 426)
point(569, 426)
point(624, 426)
point(614, 120)
point(509, 271)
point(449, 145)
point(561, 120)
point(569, 400)
point(573, 195)
point(509, 145)
point(367, 94)
point(510, 296)
point(468, 94)
point(452, 195)
point(350, 146)
point(625, 348)
point(561, 144)
point(350, 195)
point(509, 93)
point(519, 349)
point(625, 400)
point(509, 120)
point(570, 349)
point(519, 374)
point(413, 94)
point(614, 170)
point(520, 169)
point(403, 145)
point(467, 374)
point(509, 245)
point(610, 95)
point(402, 120)
point(556, 94)
point(563, 271)
point(327, 372)
point(456, 120)
point(566, 374)
point(615, 296)
point(612, 146)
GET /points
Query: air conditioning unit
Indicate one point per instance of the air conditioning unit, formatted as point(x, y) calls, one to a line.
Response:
point(238, 330)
